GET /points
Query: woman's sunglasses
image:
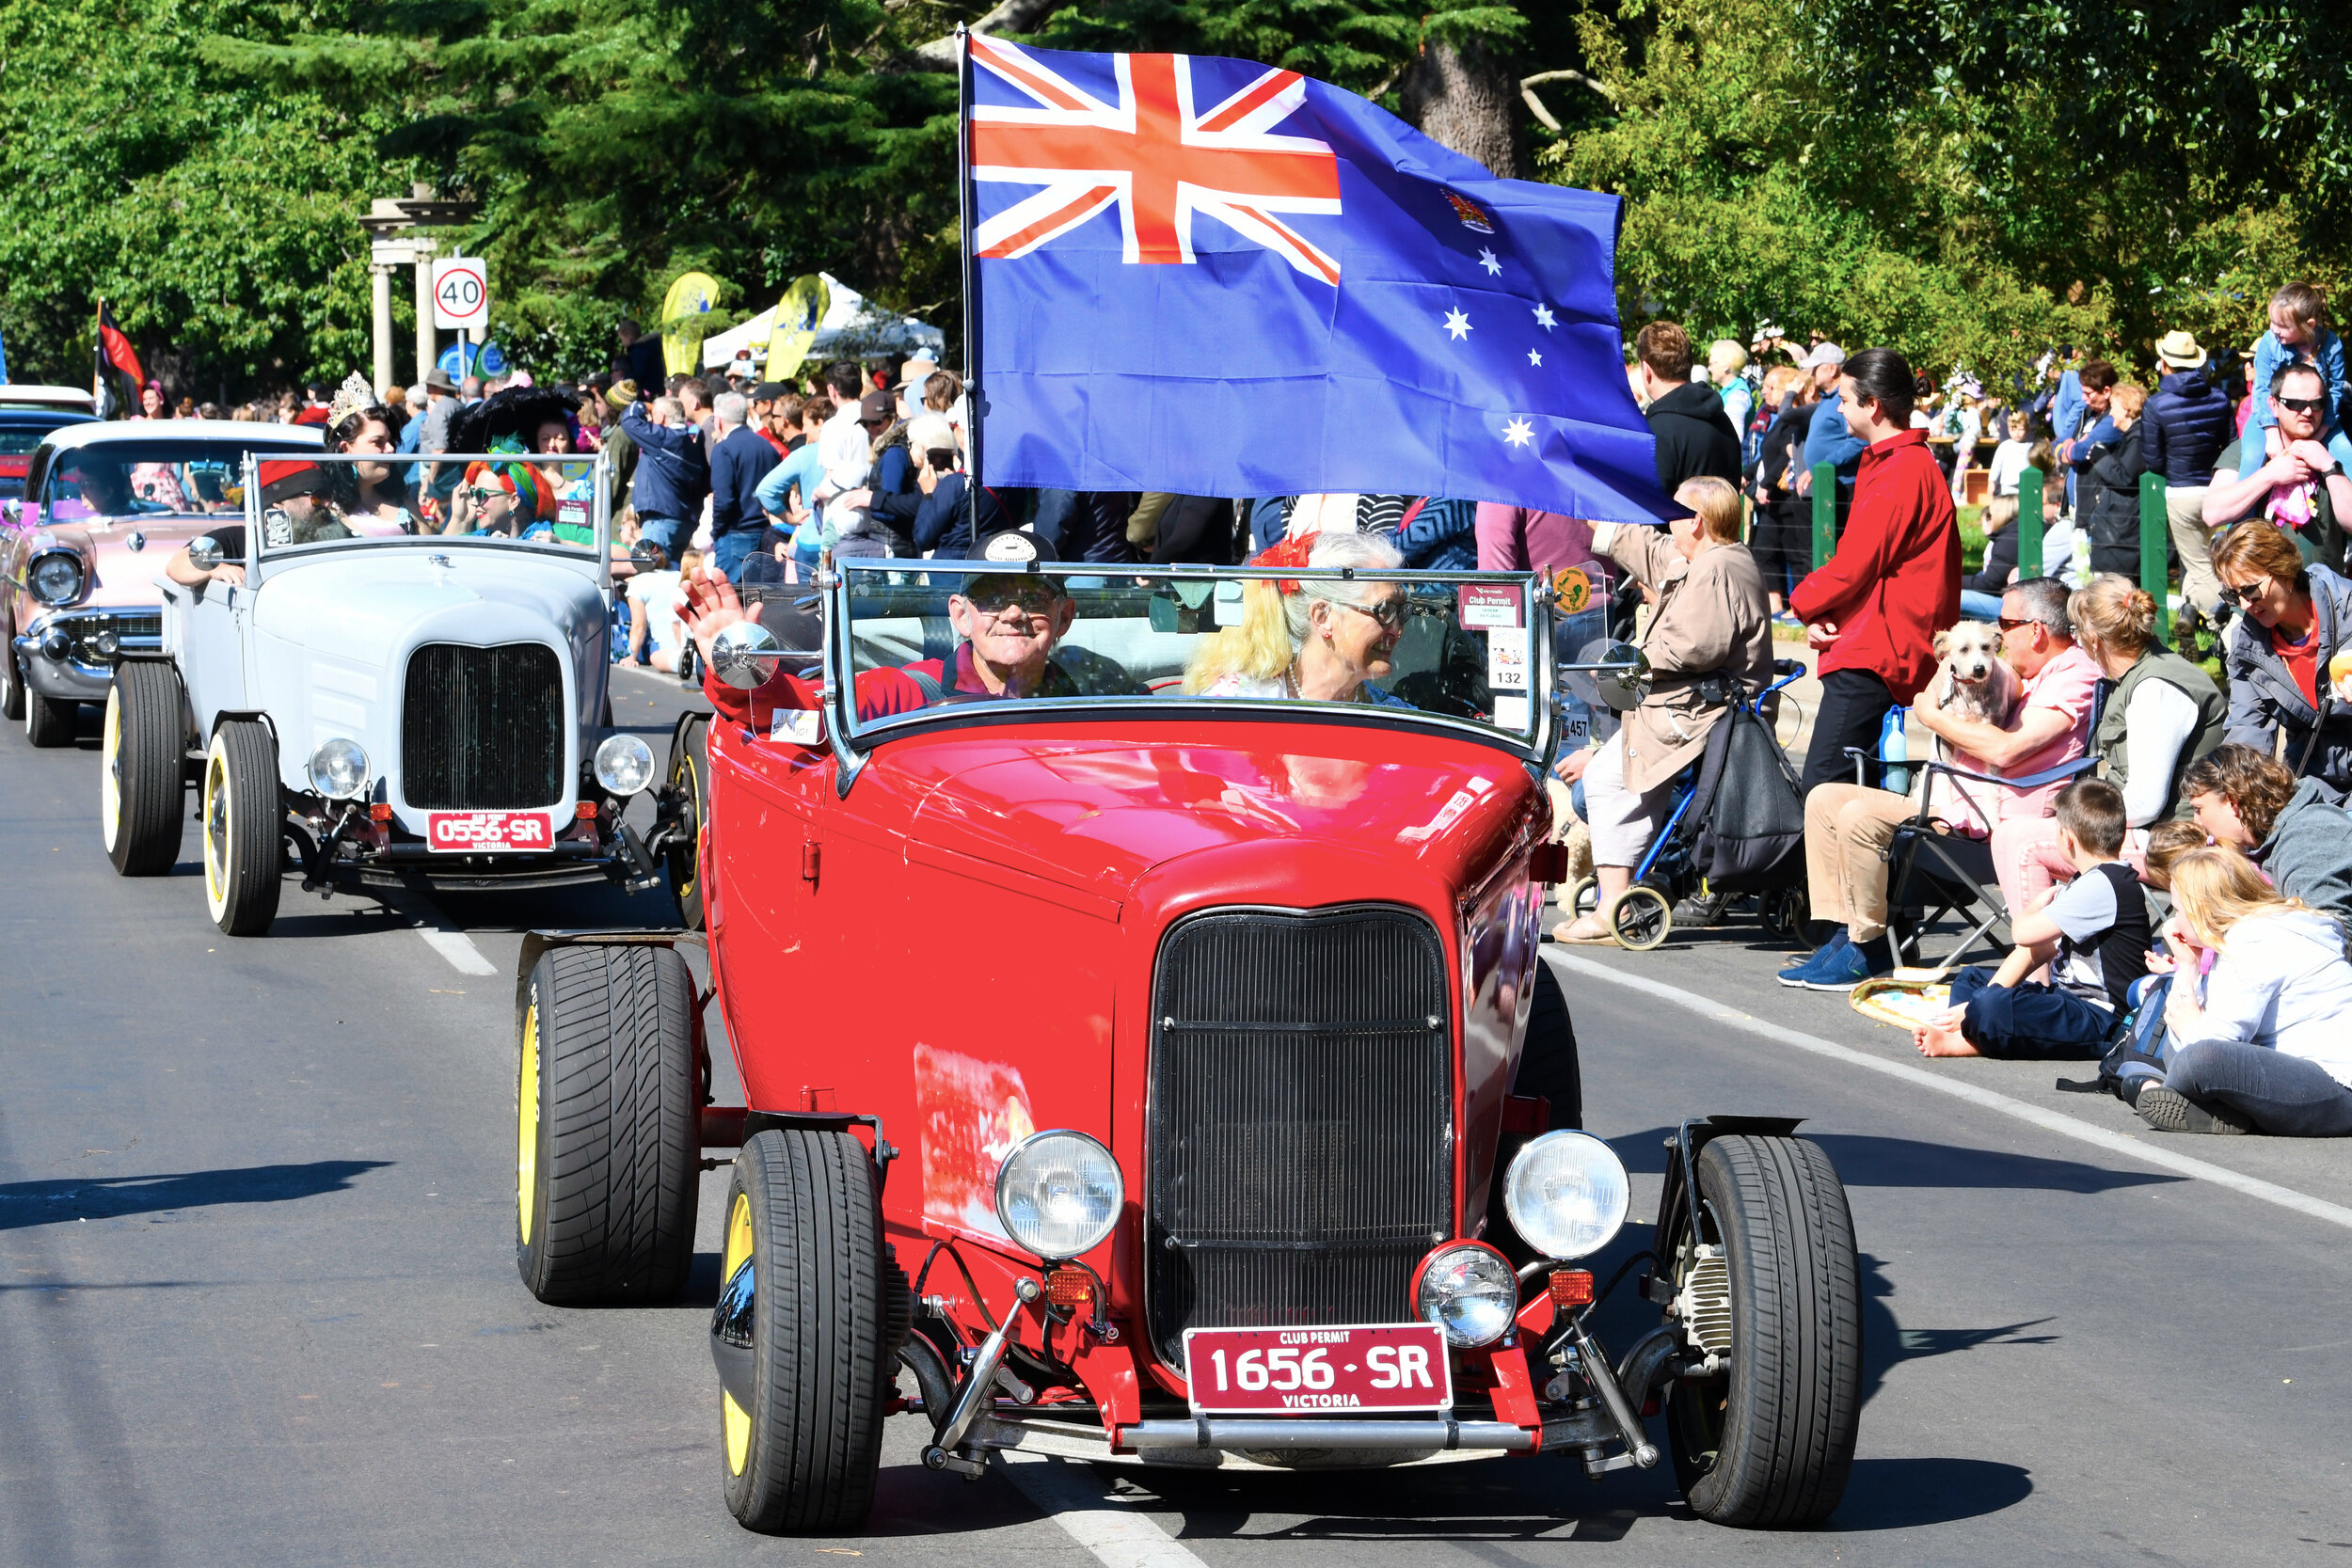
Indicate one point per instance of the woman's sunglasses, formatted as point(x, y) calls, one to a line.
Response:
point(1389, 612)
point(2241, 594)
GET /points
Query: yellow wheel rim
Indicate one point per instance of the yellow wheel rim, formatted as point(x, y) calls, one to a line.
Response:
point(695, 856)
point(527, 1114)
point(110, 773)
point(216, 829)
point(737, 1421)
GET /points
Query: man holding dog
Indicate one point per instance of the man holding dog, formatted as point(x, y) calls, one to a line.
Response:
point(1848, 827)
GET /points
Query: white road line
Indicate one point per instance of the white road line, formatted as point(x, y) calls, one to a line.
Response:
point(1120, 1536)
point(458, 948)
point(2056, 1121)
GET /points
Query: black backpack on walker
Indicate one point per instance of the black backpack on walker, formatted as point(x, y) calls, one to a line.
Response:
point(1749, 806)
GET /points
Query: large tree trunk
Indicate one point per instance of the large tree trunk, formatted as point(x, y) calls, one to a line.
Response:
point(1464, 98)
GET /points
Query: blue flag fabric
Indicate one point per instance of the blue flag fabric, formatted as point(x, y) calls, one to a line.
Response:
point(1215, 278)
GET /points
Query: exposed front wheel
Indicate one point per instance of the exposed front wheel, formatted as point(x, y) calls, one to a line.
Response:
point(609, 1137)
point(245, 829)
point(803, 1334)
point(689, 788)
point(1776, 1292)
point(141, 793)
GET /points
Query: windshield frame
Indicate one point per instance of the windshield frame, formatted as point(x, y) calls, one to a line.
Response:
point(853, 741)
point(262, 558)
point(236, 454)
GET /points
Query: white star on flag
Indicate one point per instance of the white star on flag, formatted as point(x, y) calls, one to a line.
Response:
point(1543, 317)
point(1534, 357)
point(1457, 323)
point(1519, 432)
point(1486, 259)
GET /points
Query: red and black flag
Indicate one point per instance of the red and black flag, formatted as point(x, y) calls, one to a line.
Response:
point(116, 350)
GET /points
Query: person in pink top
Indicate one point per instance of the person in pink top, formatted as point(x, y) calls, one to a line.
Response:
point(2052, 727)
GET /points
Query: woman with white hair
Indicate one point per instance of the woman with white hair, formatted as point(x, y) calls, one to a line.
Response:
point(1325, 640)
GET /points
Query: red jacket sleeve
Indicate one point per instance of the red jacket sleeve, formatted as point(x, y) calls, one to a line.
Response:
point(880, 694)
point(1864, 557)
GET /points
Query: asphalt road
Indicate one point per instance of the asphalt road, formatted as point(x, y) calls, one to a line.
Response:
point(258, 1301)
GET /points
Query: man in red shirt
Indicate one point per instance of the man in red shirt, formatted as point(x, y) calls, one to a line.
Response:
point(1874, 610)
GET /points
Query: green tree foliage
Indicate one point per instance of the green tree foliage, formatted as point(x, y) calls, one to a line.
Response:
point(215, 212)
point(2182, 156)
point(1752, 192)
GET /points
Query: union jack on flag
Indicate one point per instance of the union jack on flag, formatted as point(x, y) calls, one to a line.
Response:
point(1213, 277)
point(1156, 152)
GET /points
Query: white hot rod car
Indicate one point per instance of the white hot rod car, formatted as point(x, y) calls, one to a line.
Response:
point(367, 702)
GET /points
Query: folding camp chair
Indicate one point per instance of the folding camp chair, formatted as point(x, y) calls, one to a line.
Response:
point(1946, 873)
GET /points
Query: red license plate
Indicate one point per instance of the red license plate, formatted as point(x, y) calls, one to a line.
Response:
point(475, 832)
point(1309, 1372)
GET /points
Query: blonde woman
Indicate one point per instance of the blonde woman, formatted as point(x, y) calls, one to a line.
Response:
point(1324, 639)
point(2269, 1028)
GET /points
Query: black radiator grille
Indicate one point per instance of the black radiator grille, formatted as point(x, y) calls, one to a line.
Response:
point(1299, 1139)
point(481, 729)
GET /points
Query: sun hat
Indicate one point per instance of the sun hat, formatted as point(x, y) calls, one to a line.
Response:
point(2180, 351)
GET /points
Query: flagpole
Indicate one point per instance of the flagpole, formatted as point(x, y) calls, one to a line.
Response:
point(98, 360)
point(971, 309)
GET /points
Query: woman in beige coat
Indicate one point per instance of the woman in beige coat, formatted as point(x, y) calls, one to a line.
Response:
point(1709, 618)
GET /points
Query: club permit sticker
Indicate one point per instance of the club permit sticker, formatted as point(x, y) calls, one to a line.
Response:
point(1489, 607)
point(1506, 660)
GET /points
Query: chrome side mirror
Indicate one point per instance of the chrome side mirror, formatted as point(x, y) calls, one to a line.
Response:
point(1621, 676)
point(744, 655)
point(204, 553)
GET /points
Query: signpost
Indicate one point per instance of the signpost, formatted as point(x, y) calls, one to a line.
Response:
point(461, 299)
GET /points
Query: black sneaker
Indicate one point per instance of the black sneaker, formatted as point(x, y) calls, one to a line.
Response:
point(2170, 1111)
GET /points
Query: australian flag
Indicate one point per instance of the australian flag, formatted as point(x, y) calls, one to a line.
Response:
point(1215, 278)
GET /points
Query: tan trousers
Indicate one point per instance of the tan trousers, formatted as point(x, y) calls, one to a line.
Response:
point(2185, 515)
point(1847, 829)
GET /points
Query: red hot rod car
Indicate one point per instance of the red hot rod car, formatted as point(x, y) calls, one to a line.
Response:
point(1153, 1067)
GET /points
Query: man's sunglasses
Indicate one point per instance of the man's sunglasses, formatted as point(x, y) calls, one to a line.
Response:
point(2303, 406)
point(1389, 612)
point(1033, 599)
point(2008, 625)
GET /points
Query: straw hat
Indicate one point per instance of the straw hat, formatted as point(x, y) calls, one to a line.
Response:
point(2178, 351)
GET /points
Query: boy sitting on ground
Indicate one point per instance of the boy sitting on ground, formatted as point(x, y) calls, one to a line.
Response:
point(2093, 933)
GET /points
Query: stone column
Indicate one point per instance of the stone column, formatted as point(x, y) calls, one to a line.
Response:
point(428, 343)
point(380, 278)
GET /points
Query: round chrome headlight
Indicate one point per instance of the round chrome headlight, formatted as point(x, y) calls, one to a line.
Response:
point(1058, 1194)
point(1469, 1290)
point(1566, 1193)
point(54, 577)
point(624, 763)
point(339, 769)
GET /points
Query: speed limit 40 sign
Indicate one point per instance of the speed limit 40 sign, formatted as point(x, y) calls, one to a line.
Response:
point(461, 293)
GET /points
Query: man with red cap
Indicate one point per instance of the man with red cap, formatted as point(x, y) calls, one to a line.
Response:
point(294, 511)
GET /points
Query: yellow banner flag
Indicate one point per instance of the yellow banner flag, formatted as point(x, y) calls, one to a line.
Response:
point(798, 315)
point(689, 300)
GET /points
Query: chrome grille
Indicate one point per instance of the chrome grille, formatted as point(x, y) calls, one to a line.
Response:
point(481, 729)
point(1299, 1154)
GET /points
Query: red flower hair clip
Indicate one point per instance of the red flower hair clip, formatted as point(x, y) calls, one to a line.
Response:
point(1290, 552)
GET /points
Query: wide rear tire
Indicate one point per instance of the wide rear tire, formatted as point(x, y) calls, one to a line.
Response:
point(608, 1130)
point(689, 787)
point(243, 816)
point(803, 1212)
point(142, 792)
point(1771, 1441)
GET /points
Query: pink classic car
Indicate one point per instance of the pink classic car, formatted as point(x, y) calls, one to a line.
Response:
point(103, 507)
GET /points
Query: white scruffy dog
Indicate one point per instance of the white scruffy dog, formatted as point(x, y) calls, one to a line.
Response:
point(1973, 679)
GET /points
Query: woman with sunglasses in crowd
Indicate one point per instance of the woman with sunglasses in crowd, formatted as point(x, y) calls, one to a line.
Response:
point(1709, 642)
point(2289, 653)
